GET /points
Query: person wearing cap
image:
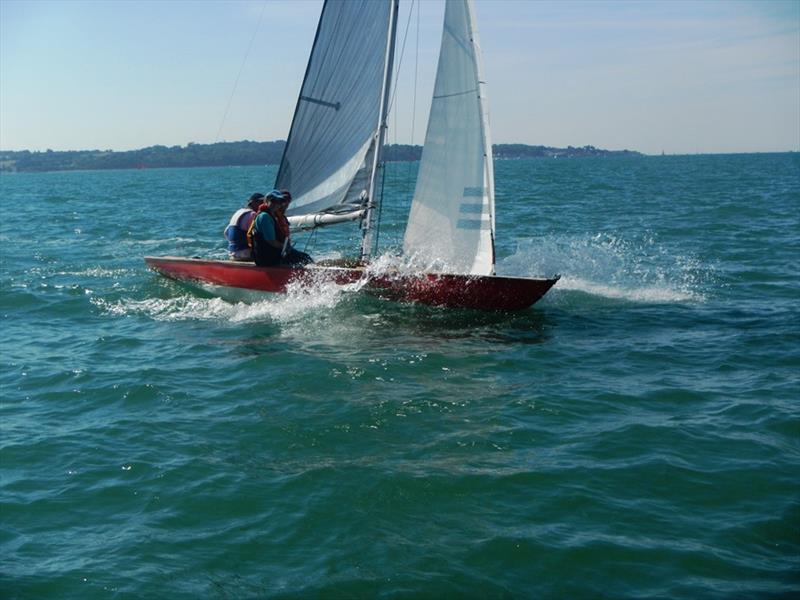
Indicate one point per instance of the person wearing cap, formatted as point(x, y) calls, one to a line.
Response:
point(291, 254)
point(270, 234)
point(236, 231)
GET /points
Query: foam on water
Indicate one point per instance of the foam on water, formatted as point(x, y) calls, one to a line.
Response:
point(157, 242)
point(393, 262)
point(641, 294)
point(251, 306)
point(99, 272)
point(601, 265)
point(612, 267)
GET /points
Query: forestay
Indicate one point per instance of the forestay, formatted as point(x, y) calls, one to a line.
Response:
point(451, 224)
point(328, 157)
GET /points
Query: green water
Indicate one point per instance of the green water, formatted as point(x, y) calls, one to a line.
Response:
point(635, 434)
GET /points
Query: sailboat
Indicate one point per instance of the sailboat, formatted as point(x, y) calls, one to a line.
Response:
point(333, 162)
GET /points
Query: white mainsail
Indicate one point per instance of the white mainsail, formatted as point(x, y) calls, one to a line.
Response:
point(451, 223)
point(329, 157)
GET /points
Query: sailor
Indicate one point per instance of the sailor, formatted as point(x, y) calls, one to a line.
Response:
point(269, 235)
point(291, 255)
point(236, 231)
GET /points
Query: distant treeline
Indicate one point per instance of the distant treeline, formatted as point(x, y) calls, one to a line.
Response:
point(223, 154)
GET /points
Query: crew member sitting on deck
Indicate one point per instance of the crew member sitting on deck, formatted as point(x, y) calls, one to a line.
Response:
point(292, 255)
point(236, 231)
point(269, 235)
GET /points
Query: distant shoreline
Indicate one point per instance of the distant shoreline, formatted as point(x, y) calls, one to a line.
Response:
point(238, 154)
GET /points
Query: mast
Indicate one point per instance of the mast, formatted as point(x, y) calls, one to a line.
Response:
point(369, 217)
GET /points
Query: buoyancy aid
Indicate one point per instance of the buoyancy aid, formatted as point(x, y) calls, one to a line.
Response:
point(264, 254)
point(236, 231)
point(282, 227)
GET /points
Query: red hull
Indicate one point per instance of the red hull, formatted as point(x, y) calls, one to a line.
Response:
point(454, 291)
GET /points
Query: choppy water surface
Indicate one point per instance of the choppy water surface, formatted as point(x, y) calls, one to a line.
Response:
point(634, 434)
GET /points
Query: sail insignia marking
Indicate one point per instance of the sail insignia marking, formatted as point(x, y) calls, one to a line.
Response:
point(480, 225)
point(475, 192)
point(472, 212)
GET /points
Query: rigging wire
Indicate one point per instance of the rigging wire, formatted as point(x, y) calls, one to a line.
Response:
point(380, 209)
point(313, 236)
point(394, 177)
point(402, 53)
point(239, 74)
point(395, 128)
point(408, 191)
point(414, 103)
point(416, 74)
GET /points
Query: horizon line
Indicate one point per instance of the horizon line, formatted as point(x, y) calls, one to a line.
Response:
point(188, 144)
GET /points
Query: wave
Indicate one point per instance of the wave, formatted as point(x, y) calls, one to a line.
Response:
point(656, 294)
point(608, 266)
point(233, 305)
point(602, 266)
point(100, 272)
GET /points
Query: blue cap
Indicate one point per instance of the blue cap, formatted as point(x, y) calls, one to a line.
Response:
point(275, 195)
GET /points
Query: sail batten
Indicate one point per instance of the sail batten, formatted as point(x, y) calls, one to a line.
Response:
point(451, 222)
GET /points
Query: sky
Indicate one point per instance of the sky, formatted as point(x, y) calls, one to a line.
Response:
point(679, 76)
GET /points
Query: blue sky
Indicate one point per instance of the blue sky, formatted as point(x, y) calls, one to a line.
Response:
point(682, 76)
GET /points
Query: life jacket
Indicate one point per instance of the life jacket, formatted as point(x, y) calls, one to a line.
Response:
point(264, 254)
point(235, 233)
point(282, 227)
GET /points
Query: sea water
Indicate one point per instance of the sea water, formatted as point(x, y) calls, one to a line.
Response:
point(634, 434)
